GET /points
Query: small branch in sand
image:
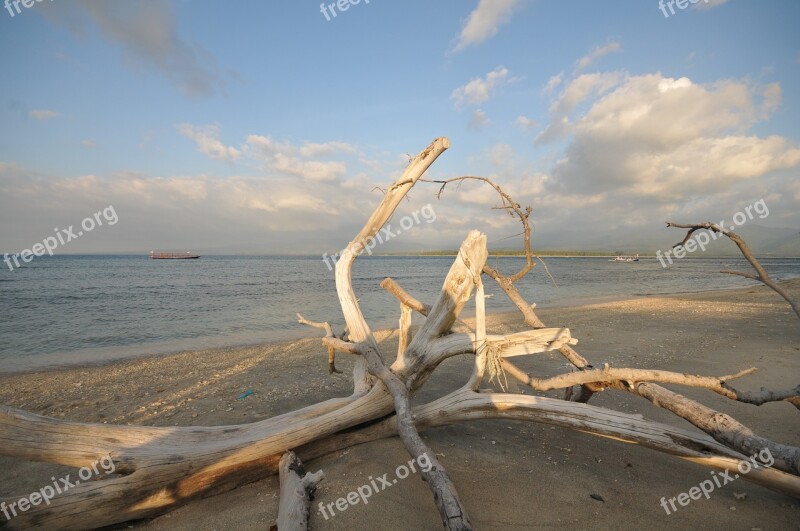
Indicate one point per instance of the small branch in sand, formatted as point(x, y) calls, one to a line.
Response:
point(328, 334)
point(297, 493)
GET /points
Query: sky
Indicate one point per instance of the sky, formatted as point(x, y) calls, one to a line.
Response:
point(270, 127)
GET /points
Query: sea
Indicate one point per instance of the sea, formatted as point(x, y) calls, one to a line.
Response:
point(64, 310)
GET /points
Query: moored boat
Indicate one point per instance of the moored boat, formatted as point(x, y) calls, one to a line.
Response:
point(625, 258)
point(173, 256)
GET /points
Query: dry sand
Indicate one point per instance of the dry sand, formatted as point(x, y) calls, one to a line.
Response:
point(511, 475)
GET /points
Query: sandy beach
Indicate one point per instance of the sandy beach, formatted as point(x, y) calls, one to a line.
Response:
point(511, 475)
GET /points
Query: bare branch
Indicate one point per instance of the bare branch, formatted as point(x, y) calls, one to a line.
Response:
point(613, 377)
point(761, 273)
point(402, 295)
point(328, 333)
point(722, 427)
point(465, 405)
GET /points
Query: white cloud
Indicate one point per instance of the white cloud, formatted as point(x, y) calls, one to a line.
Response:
point(478, 119)
point(291, 160)
point(297, 160)
point(670, 138)
point(484, 21)
point(89, 143)
point(313, 149)
point(479, 90)
point(191, 211)
point(525, 123)
point(208, 142)
point(43, 114)
point(574, 94)
point(596, 53)
point(772, 94)
point(553, 83)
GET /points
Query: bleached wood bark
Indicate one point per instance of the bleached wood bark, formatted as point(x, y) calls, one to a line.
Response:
point(405, 299)
point(328, 333)
point(722, 427)
point(481, 343)
point(464, 405)
point(297, 491)
point(608, 376)
point(404, 329)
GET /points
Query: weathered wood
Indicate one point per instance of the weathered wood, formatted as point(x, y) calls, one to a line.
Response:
point(608, 375)
point(166, 467)
point(455, 293)
point(297, 492)
point(404, 329)
point(761, 273)
point(328, 333)
point(417, 362)
point(481, 343)
point(464, 405)
point(722, 427)
point(402, 295)
point(359, 330)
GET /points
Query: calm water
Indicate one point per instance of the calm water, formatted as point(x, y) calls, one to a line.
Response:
point(93, 308)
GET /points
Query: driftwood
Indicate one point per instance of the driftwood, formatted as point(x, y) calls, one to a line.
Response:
point(158, 469)
point(761, 273)
point(328, 333)
point(297, 492)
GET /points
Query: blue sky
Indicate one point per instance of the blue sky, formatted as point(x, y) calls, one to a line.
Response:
point(263, 127)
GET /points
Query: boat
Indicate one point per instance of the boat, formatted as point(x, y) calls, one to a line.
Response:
point(625, 258)
point(173, 256)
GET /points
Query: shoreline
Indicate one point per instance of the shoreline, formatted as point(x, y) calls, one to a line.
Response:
point(54, 362)
point(288, 336)
point(80, 358)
